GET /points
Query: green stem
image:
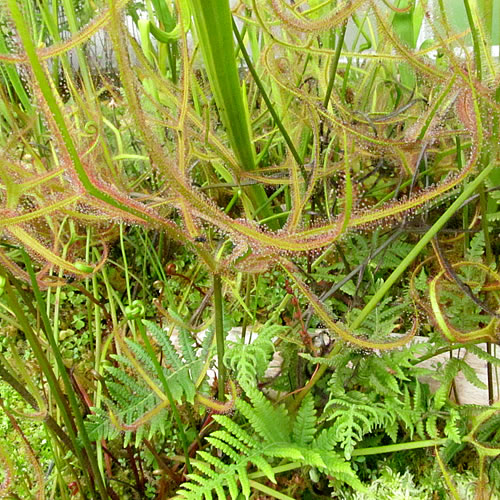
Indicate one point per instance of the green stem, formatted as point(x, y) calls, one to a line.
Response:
point(246, 317)
point(269, 491)
point(490, 259)
point(475, 40)
point(465, 212)
point(391, 448)
point(213, 22)
point(335, 63)
point(46, 369)
point(219, 335)
point(10, 379)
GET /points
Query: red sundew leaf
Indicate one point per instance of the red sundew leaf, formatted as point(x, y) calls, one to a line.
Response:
point(298, 22)
point(465, 110)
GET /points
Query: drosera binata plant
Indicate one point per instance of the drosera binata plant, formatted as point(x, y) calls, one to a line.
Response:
point(262, 153)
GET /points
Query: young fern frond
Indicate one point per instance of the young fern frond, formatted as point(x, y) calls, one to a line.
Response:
point(168, 349)
point(452, 368)
point(381, 322)
point(353, 416)
point(452, 429)
point(250, 361)
point(377, 372)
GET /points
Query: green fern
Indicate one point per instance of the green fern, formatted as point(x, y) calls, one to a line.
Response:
point(271, 434)
point(354, 416)
point(482, 354)
point(130, 401)
point(446, 376)
point(476, 248)
point(391, 399)
point(451, 429)
point(393, 255)
point(250, 361)
point(381, 322)
point(304, 427)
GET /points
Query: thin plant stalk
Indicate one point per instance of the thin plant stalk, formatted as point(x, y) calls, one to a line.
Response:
point(475, 40)
point(55, 390)
point(265, 97)
point(168, 393)
point(82, 431)
point(335, 65)
point(490, 260)
point(219, 335)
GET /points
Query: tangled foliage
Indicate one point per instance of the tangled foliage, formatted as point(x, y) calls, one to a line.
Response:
point(279, 156)
point(89, 174)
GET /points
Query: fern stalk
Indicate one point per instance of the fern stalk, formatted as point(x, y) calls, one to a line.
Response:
point(393, 448)
point(269, 491)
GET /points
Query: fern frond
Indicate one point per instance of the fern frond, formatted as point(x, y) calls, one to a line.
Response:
point(353, 417)
point(450, 371)
point(471, 375)
point(225, 448)
point(482, 354)
point(186, 343)
point(168, 349)
point(431, 426)
point(381, 322)
point(326, 439)
point(263, 465)
point(491, 426)
point(263, 417)
point(224, 476)
point(237, 431)
point(132, 402)
point(304, 426)
point(393, 256)
point(125, 385)
point(451, 429)
point(216, 477)
point(141, 355)
point(476, 247)
point(98, 425)
point(418, 401)
point(249, 361)
point(377, 373)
